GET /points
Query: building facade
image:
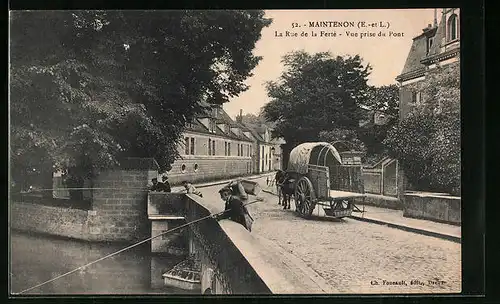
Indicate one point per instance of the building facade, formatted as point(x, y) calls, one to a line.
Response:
point(277, 153)
point(264, 149)
point(433, 54)
point(435, 50)
point(213, 147)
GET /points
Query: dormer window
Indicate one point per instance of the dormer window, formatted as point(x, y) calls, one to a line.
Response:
point(452, 26)
point(212, 126)
point(429, 44)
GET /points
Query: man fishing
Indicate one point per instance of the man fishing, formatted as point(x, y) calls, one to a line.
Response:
point(234, 196)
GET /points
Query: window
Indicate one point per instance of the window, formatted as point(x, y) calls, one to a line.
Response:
point(429, 44)
point(225, 148)
point(213, 147)
point(183, 168)
point(212, 126)
point(416, 97)
point(229, 149)
point(192, 145)
point(238, 147)
point(452, 27)
point(186, 143)
point(195, 167)
point(209, 146)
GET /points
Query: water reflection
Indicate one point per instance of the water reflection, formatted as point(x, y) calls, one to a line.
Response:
point(36, 259)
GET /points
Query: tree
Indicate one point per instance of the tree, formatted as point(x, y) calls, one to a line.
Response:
point(427, 141)
point(346, 135)
point(90, 87)
point(384, 98)
point(316, 93)
point(256, 120)
point(381, 99)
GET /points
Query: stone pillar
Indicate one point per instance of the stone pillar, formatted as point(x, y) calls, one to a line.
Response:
point(120, 210)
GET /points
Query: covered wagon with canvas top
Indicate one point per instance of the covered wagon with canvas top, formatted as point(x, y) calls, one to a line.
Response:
point(325, 178)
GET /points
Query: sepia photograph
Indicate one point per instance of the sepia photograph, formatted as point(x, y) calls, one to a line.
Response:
point(235, 152)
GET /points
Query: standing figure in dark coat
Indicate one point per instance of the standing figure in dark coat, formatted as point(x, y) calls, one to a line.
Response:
point(234, 196)
point(154, 187)
point(166, 184)
point(159, 187)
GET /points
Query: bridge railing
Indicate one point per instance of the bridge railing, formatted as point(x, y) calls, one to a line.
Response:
point(236, 261)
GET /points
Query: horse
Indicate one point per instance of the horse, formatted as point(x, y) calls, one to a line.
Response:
point(285, 185)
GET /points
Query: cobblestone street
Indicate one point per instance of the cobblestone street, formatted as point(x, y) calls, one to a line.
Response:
point(354, 256)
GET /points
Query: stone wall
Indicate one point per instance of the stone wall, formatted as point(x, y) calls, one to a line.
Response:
point(232, 274)
point(381, 201)
point(372, 180)
point(440, 208)
point(118, 213)
point(382, 178)
point(166, 211)
point(65, 222)
point(206, 168)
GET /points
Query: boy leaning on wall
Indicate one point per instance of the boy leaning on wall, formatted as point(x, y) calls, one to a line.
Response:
point(191, 189)
point(234, 196)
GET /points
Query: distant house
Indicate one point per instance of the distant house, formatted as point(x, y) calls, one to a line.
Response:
point(277, 153)
point(214, 146)
point(267, 154)
point(374, 117)
point(435, 50)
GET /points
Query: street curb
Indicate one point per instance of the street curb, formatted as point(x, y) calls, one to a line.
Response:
point(401, 227)
point(410, 229)
point(215, 183)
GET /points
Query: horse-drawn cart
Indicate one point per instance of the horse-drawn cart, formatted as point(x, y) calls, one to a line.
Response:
point(321, 177)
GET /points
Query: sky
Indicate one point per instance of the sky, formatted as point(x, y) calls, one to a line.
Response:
point(386, 55)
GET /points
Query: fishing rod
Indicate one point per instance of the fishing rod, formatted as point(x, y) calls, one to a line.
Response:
point(122, 188)
point(132, 246)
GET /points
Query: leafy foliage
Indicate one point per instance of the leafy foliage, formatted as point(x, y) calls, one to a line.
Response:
point(384, 99)
point(427, 141)
point(90, 87)
point(346, 135)
point(316, 93)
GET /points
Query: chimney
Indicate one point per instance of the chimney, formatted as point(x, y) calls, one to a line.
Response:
point(435, 18)
point(239, 118)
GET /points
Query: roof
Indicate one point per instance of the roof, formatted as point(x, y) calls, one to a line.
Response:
point(300, 156)
point(220, 118)
point(251, 129)
point(440, 36)
point(440, 33)
point(418, 57)
point(418, 51)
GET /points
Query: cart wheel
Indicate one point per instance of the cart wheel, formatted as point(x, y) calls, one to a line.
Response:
point(305, 198)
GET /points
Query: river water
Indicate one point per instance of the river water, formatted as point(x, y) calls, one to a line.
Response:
point(36, 259)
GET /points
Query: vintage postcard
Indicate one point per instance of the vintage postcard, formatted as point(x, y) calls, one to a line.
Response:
point(235, 152)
